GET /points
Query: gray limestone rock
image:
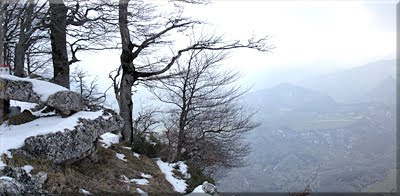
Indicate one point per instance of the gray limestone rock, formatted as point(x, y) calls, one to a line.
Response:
point(209, 188)
point(66, 102)
point(69, 146)
point(16, 181)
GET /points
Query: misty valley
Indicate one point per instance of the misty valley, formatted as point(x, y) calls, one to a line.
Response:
point(307, 137)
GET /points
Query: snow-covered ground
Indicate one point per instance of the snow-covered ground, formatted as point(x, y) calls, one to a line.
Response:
point(27, 168)
point(198, 191)
point(146, 175)
point(140, 181)
point(84, 192)
point(120, 157)
point(136, 155)
point(141, 192)
point(13, 136)
point(23, 105)
point(168, 168)
point(42, 88)
point(30, 106)
point(107, 139)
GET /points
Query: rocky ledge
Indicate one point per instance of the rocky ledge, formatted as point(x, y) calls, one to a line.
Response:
point(17, 181)
point(41, 92)
point(68, 146)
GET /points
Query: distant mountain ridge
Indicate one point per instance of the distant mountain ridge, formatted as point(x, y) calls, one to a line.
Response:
point(350, 86)
point(289, 97)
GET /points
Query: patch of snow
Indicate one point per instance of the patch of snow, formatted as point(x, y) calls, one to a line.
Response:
point(41, 114)
point(6, 178)
point(167, 168)
point(126, 148)
point(145, 175)
point(27, 168)
point(136, 155)
point(9, 155)
point(141, 192)
point(198, 189)
point(120, 156)
point(23, 105)
point(13, 136)
point(85, 192)
point(108, 116)
point(42, 88)
point(108, 139)
point(183, 168)
point(140, 181)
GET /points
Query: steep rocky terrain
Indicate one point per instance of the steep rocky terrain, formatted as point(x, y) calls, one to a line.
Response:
point(64, 150)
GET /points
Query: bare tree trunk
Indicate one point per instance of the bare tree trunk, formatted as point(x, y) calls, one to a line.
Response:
point(2, 33)
point(23, 44)
point(4, 104)
point(58, 37)
point(126, 104)
point(128, 79)
point(19, 59)
point(181, 135)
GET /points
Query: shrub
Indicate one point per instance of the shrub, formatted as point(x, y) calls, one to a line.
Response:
point(197, 177)
point(150, 147)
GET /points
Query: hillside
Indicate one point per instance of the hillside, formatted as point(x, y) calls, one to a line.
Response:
point(351, 146)
point(68, 149)
point(289, 97)
point(351, 85)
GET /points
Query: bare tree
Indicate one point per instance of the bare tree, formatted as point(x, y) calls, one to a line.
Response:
point(58, 37)
point(151, 36)
point(92, 98)
point(87, 27)
point(206, 115)
point(145, 121)
point(2, 32)
point(4, 104)
point(30, 21)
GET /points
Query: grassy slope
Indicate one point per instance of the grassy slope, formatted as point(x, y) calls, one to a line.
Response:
point(101, 177)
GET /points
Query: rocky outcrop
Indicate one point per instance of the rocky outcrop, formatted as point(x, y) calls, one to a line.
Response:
point(41, 92)
point(65, 102)
point(18, 90)
point(69, 146)
point(209, 188)
point(16, 181)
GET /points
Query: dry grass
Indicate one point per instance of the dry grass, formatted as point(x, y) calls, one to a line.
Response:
point(102, 177)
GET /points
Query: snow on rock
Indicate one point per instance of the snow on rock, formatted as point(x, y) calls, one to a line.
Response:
point(27, 168)
point(108, 139)
point(13, 136)
point(42, 88)
point(204, 189)
point(42, 92)
point(84, 192)
point(6, 178)
point(23, 105)
point(167, 168)
point(9, 155)
point(120, 156)
point(198, 189)
point(141, 192)
point(140, 181)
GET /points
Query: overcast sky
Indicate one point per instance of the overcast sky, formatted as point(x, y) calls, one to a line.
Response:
point(310, 37)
